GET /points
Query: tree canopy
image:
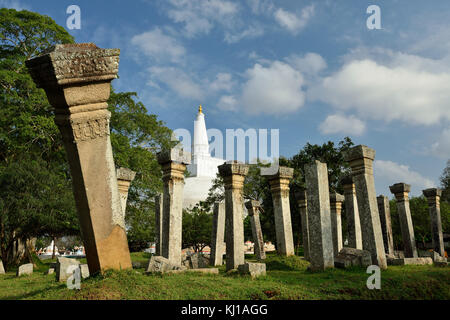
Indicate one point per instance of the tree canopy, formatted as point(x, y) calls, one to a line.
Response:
point(37, 199)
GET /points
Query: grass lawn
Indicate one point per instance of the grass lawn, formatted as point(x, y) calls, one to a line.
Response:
point(287, 278)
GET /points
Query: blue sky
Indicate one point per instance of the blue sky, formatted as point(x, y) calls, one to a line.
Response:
point(309, 68)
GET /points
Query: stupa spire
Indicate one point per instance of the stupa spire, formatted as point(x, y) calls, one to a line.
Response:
point(201, 145)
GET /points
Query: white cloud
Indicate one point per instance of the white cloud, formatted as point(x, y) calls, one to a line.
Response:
point(341, 124)
point(253, 31)
point(411, 93)
point(441, 148)
point(159, 46)
point(227, 103)
point(291, 21)
point(310, 63)
point(177, 80)
point(200, 16)
point(275, 89)
point(261, 6)
point(389, 172)
point(223, 81)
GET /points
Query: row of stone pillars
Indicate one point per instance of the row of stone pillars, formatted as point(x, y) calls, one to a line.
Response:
point(79, 93)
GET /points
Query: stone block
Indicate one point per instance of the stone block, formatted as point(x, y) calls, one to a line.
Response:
point(2, 269)
point(253, 269)
point(84, 270)
point(160, 264)
point(176, 154)
point(441, 264)
point(197, 260)
point(25, 269)
point(62, 268)
point(410, 261)
point(348, 257)
point(199, 270)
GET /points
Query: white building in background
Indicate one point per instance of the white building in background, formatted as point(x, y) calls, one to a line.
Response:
point(203, 168)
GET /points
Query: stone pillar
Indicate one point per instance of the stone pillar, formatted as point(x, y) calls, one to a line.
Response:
point(302, 207)
point(218, 234)
point(336, 201)
point(401, 190)
point(173, 164)
point(361, 159)
point(253, 208)
point(386, 228)
point(158, 224)
point(76, 79)
point(352, 214)
point(319, 217)
point(279, 187)
point(233, 174)
point(433, 196)
point(124, 178)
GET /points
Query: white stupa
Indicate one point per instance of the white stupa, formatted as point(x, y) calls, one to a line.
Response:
point(203, 168)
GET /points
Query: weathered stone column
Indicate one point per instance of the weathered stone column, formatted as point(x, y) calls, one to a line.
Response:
point(433, 196)
point(385, 219)
point(352, 214)
point(233, 174)
point(279, 187)
point(401, 190)
point(361, 159)
point(336, 201)
point(173, 164)
point(253, 208)
point(319, 217)
point(302, 202)
point(158, 224)
point(76, 79)
point(218, 234)
point(124, 178)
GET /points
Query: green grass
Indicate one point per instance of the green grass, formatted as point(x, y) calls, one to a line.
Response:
point(287, 278)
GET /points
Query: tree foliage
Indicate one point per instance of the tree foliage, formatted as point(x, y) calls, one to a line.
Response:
point(197, 226)
point(33, 162)
point(445, 183)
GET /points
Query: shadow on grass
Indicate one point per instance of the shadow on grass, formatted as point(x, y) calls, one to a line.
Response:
point(279, 265)
point(36, 293)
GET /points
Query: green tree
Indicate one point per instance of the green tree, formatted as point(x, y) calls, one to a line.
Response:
point(445, 183)
point(197, 225)
point(35, 199)
point(28, 133)
point(421, 220)
point(27, 128)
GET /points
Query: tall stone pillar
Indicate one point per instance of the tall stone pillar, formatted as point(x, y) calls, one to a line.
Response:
point(158, 224)
point(218, 234)
point(233, 174)
point(253, 208)
point(279, 186)
point(76, 79)
point(173, 164)
point(302, 203)
point(352, 214)
point(385, 219)
point(401, 190)
point(336, 201)
point(361, 159)
point(319, 217)
point(124, 178)
point(433, 196)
